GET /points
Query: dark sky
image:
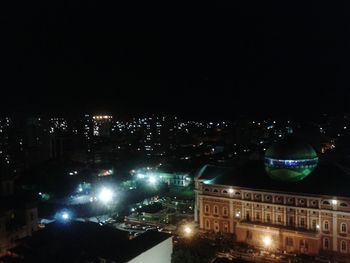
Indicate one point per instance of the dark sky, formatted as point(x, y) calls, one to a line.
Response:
point(219, 61)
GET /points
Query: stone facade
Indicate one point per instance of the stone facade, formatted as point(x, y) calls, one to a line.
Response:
point(296, 223)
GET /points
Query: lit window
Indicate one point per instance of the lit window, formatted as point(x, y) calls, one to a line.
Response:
point(326, 243)
point(325, 225)
point(343, 246)
point(216, 210)
point(207, 224)
point(343, 228)
point(279, 218)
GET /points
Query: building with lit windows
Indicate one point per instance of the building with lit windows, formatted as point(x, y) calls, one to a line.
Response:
point(290, 202)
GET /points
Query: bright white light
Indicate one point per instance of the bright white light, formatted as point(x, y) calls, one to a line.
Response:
point(188, 230)
point(65, 216)
point(267, 241)
point(334, 202)
point(318, 226)
point(106, 195)
point(152, 180)
point(141, 176)
point(230, 191)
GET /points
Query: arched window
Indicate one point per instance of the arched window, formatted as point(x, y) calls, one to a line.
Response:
point(343, 204)
point(215, 191)
point(224, 192)
point(216, 226)
point(206, 190)
point(224, 211)
point(343, 228)
point(325, 225)
point(206, 209)
point(216, 210)
point(326, 203)
point(237, 193)
point(207, 224)
point(343, 246)
point(326, 243)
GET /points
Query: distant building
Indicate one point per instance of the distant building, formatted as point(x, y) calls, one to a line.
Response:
point(18, 217)
point(102, 125)
point(289, 203)
point(90, 242)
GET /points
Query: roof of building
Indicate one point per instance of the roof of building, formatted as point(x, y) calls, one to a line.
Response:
point(290, 149)
point(86, 241)
point(326, 179)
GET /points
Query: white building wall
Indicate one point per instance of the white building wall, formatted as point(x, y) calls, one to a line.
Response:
point(160, 253)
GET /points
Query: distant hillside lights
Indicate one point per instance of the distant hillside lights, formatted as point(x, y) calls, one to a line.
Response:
point(102, 117)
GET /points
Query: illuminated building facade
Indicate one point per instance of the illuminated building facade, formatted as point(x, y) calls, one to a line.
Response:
point(310, 215)
point(102, 125)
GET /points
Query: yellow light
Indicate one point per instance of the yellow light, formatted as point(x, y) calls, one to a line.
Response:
point(334, 202)
point(188, 230)
point(230, 191)
point(267, 241)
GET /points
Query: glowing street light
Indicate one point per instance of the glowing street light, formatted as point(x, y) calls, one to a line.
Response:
point(65, 216)
point(230, 191)
point(106, 195)
point(267, 241)
point(334, 202)
point(187, 230)
point(152, 180)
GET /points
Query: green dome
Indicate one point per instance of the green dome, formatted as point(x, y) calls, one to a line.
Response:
point(290, 149)
point(290, 160)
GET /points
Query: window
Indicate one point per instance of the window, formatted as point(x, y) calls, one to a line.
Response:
point(326, 225)
point(247, 216)
point(291, 221)
point(343, 204)
point(215, 191)
point(326, 243)
point(206, 190)
point(224, 192)
point(216, 226)
point(326, 203)
point(206, 209)
point(225, 227)
point(302, 222)
point(268, 218)
point(224, 211)
point(216, 210)
point(343, 246)
point(207, 224)
point(313, 224)
point(257, 216)
point(343, 228)
point(279, 219)
point(289, 241)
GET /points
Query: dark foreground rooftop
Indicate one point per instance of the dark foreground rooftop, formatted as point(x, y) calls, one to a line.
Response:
point(85, 242)
point(326, 179)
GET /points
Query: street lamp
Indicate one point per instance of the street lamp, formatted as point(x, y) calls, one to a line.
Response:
point(152, 180)
point(267, 241)
point(106, 195)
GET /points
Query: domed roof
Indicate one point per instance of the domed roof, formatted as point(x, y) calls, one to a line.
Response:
point(290, 149)
point(290, 160)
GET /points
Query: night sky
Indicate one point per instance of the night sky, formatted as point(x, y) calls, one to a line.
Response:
point(216, 62)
